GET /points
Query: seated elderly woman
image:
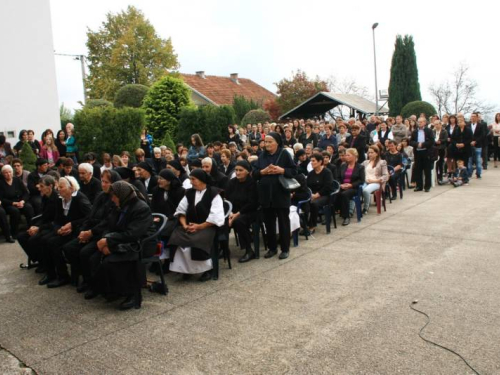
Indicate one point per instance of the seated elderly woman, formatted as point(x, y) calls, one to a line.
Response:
point(147, 176)
point(242, 193)
point(394, 158)
point(79, 250)
point(199, 213)
point(158, 161)
point(320, 181)
point(90, 186)
point(14, 197)
point(218, 179)
point(376, 175)
point(120, 273)
point(352, 175)
point(71, 211)
point(30, 239)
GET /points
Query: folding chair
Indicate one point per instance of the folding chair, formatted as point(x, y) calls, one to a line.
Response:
point(160, 222)
point(357, 202)
point(222, 235)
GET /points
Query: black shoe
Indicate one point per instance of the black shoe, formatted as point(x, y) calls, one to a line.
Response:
point(205, 276)
point(418, 189)
point(82, 288)
point(90, 294)
point(59, 282)
point(270, 254)
point(365, 211)
point(346, 221)
point(284, 255)
point(40, 269)
point(394, 197)
point(249, 255)
point(14, 236)
point(132, 301)
point(45, 280)
point(427, 190)
point(305, 232)
point(9, 239)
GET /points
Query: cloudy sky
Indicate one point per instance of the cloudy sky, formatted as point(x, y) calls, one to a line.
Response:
point(267, 40)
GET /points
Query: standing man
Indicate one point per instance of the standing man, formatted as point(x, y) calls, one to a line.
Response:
point(488, 139)
point(422, 141)
point(478, 137)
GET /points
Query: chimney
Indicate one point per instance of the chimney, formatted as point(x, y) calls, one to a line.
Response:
point(201, 74)
point(234, 78)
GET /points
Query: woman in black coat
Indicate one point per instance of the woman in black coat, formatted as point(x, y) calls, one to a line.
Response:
point(274, 198)
point(309, 137)
point(218, 179)
point(14, 198)
point(242, 193)
point(30, 239)
point(121, 273)
point(320, 181)
point(352, 175)
point(166, 198)
point(79, 250)
point(71, 211)
point(460, 141)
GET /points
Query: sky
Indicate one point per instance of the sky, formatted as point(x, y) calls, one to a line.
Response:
point(266, 40)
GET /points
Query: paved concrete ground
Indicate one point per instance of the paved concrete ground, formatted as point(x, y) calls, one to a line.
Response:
point(338, 305)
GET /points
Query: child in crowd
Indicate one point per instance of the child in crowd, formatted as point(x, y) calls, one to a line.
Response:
point(461, 176)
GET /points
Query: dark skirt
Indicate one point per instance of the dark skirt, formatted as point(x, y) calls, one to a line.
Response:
point(121, 278)
point(200, 242)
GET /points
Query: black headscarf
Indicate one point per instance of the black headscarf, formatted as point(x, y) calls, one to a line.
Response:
point(125, 173)
point(201, 175)
point(277, 137)
point(146, 166)
point(244, 164)
point(124, 191)
point(168, 175)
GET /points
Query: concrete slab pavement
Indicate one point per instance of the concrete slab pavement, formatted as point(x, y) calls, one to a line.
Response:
point(338, 305)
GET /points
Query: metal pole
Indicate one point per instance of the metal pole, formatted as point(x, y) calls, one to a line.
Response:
point(375, 65)
point(82, 62)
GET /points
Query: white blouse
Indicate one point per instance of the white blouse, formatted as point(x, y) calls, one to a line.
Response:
point(216, 216)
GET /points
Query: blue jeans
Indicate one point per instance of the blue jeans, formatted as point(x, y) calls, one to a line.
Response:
point(476, 157)
point(368, 189)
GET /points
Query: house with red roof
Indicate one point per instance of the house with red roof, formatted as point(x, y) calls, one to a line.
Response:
point(217, 90)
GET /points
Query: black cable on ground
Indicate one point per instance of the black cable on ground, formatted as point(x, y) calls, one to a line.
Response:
point(435, 344)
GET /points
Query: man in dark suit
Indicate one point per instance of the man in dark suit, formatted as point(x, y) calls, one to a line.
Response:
point(358, 142)
point(422, 141)
point(478, 138)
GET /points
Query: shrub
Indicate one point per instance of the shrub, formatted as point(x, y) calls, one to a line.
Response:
point(242, 106)
point(255, 116)
point(93, 103)
point(108, 129)
point(163, 104)
point(130, 96)
point(210, 122)
point(28, 157)
point(167, 141)
point(416, 108)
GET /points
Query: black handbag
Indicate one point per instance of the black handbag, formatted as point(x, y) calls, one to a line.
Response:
point(289, 184)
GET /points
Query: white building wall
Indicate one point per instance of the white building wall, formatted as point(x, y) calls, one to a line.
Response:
point(28, 88)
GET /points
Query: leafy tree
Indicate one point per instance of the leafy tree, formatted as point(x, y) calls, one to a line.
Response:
point(272, 107)
point(209, 121)
point(163, 104)
point(294, 91)
point(126, 49)
point(418, 107)
point(28, 157)
point(404, 86)
point(108, 129)
point(255, 116)
point(167, 141)
point(242, 105)
point(65, 115)
point(131, 95)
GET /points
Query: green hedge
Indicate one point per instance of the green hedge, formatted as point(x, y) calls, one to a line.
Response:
point(130, 96)
point(416, 108)
point(209, 121)
point(108, 129)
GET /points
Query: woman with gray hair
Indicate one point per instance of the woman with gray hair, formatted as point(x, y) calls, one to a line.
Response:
point(14, 197)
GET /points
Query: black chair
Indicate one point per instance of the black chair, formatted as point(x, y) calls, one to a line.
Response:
point(329, 209)
point(160, 221)
point(222, 237)
point(357, 201)
point(303, 220)
point(29, 263)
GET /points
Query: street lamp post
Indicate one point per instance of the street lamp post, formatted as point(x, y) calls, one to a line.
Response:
point(81, 58)
point(374, 26)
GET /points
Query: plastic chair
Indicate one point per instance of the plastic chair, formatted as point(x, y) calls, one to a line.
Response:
point(387, 189)
point(160, 221)
point(29, 263)
point(357, 202)
point(303, 221)
point(221, 236)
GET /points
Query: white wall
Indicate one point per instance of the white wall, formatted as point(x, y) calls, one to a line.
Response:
point(28, 88)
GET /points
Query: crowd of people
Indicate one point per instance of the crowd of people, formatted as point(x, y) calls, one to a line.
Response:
point(95, 217)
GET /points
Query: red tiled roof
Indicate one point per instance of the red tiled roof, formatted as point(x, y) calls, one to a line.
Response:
point(221, 90)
